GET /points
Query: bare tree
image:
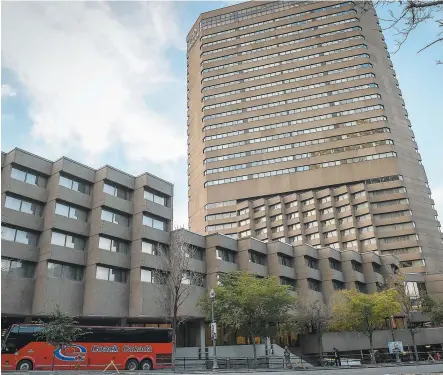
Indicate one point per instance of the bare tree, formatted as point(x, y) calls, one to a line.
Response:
point(311, 314)
point(175, 282)
point(408, 16)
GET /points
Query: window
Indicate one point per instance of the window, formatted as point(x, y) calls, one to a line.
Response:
point(113, 244)
point(226, 255)
point(412, 237)
point(193, 278)
point(146, 276)
point(115, 217)
point(376, 267)
point(332, 233)
point(116, 190)
point(294, 226)
point(153, 222)
point(276, 217)
point(243, 222)
point(314, 285)
point(221, 226)
point(293, 215)
point(313, 236)
point(326, 211)
point(347, 232)
point(363, 217)
point(70, 211)
point(324, 200)
point(309, 213)
point(308, 202)
point(74, 184)
point(360, 287)
point(155, 197)
point(197, 253)
point(350, 245)
point(412, 263)
point(369, 229)
point(341, 197)
point(338, 285)
point(244, 211)
point(327, 223)
point(261, 231)
point(311, 262)
point(68, 240)
point(343, 209)
point(65, 271)
point(256, 257)
point(295, 239)
point(149, 247)
point(406, 250)
point(387, 191)
point(291, 204)
point(356, 266)
point(285, 260)
point(369, 241)
point(19, 235)
point(399, 226)
point(220, 204)
point(277, 229)
point(287, 281)
point(260, 220)
point(28, 177)
point(111, 274)
point(258, 209)
point(23, 205)
point(275, 206)
point(18, 268)
point(344, 220)
point(415, 289)
point(221, 216)
point(334, 264)
point(311, 224)
point(390, 203)
point(244, 234)
point(334, 245)
point(360, 194)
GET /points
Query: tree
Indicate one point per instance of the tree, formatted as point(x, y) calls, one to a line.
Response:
point(312, 314)
point(59, 331)
point(434, 308)
point(364, 313)
point(245, 302)
point(408, 16)
point(175, 282)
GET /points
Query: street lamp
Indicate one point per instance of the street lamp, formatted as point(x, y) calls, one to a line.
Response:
point(213, 332)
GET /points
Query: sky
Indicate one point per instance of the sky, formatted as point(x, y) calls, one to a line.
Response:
point(105, 83)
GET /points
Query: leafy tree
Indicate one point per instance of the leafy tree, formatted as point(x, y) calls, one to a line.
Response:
point(364, 313)
point(174, 282)
point(312, 314)
point(434, 308)
point(59, 331)
point(245, 302)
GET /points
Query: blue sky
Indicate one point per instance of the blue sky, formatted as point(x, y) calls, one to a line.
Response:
point(105, 83)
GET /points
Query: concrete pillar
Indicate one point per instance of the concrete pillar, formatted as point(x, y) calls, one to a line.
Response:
point(202, 337)
point(27, 319)
point(123, 322)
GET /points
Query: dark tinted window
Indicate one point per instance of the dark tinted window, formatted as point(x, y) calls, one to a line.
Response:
point(126, 335)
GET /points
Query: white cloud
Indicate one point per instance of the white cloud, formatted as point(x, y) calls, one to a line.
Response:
point(8, 90)
point(87, 67)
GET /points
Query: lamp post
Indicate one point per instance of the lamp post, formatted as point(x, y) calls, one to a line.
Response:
point(213, 332)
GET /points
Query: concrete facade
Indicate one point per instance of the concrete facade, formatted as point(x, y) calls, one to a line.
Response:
point(297, 131)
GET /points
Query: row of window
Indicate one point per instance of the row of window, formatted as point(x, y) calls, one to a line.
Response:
point(292, 24)
point(302, 168)
point(291, 134)
point(292, 145)
point(293, 100)
point(356, 28)
point(293, 89)
point(300, 156)
point(283, 53)
point(289, 61)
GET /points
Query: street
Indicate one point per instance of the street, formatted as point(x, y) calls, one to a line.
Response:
point(400, 370)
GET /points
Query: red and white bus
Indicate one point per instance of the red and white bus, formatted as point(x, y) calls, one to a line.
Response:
point(128, 348)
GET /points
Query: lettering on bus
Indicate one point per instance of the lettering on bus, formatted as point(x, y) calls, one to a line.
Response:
point(125, 349)
point(104, 349)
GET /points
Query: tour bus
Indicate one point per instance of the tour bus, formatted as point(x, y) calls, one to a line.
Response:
point(127, 347)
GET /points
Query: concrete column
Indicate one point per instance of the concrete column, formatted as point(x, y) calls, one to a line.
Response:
point(27, 319)
point(123, 322)
point(202, 337)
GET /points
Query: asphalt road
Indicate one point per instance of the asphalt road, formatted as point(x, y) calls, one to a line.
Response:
point(395, 370)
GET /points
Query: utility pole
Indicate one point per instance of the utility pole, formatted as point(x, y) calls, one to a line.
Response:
point(213, 332)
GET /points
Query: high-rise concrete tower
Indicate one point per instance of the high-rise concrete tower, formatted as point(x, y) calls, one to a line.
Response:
point(297, 131)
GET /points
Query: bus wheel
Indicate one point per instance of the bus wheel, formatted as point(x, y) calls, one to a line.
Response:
point(132, 365)
point(146, 365)
point(24, 365)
